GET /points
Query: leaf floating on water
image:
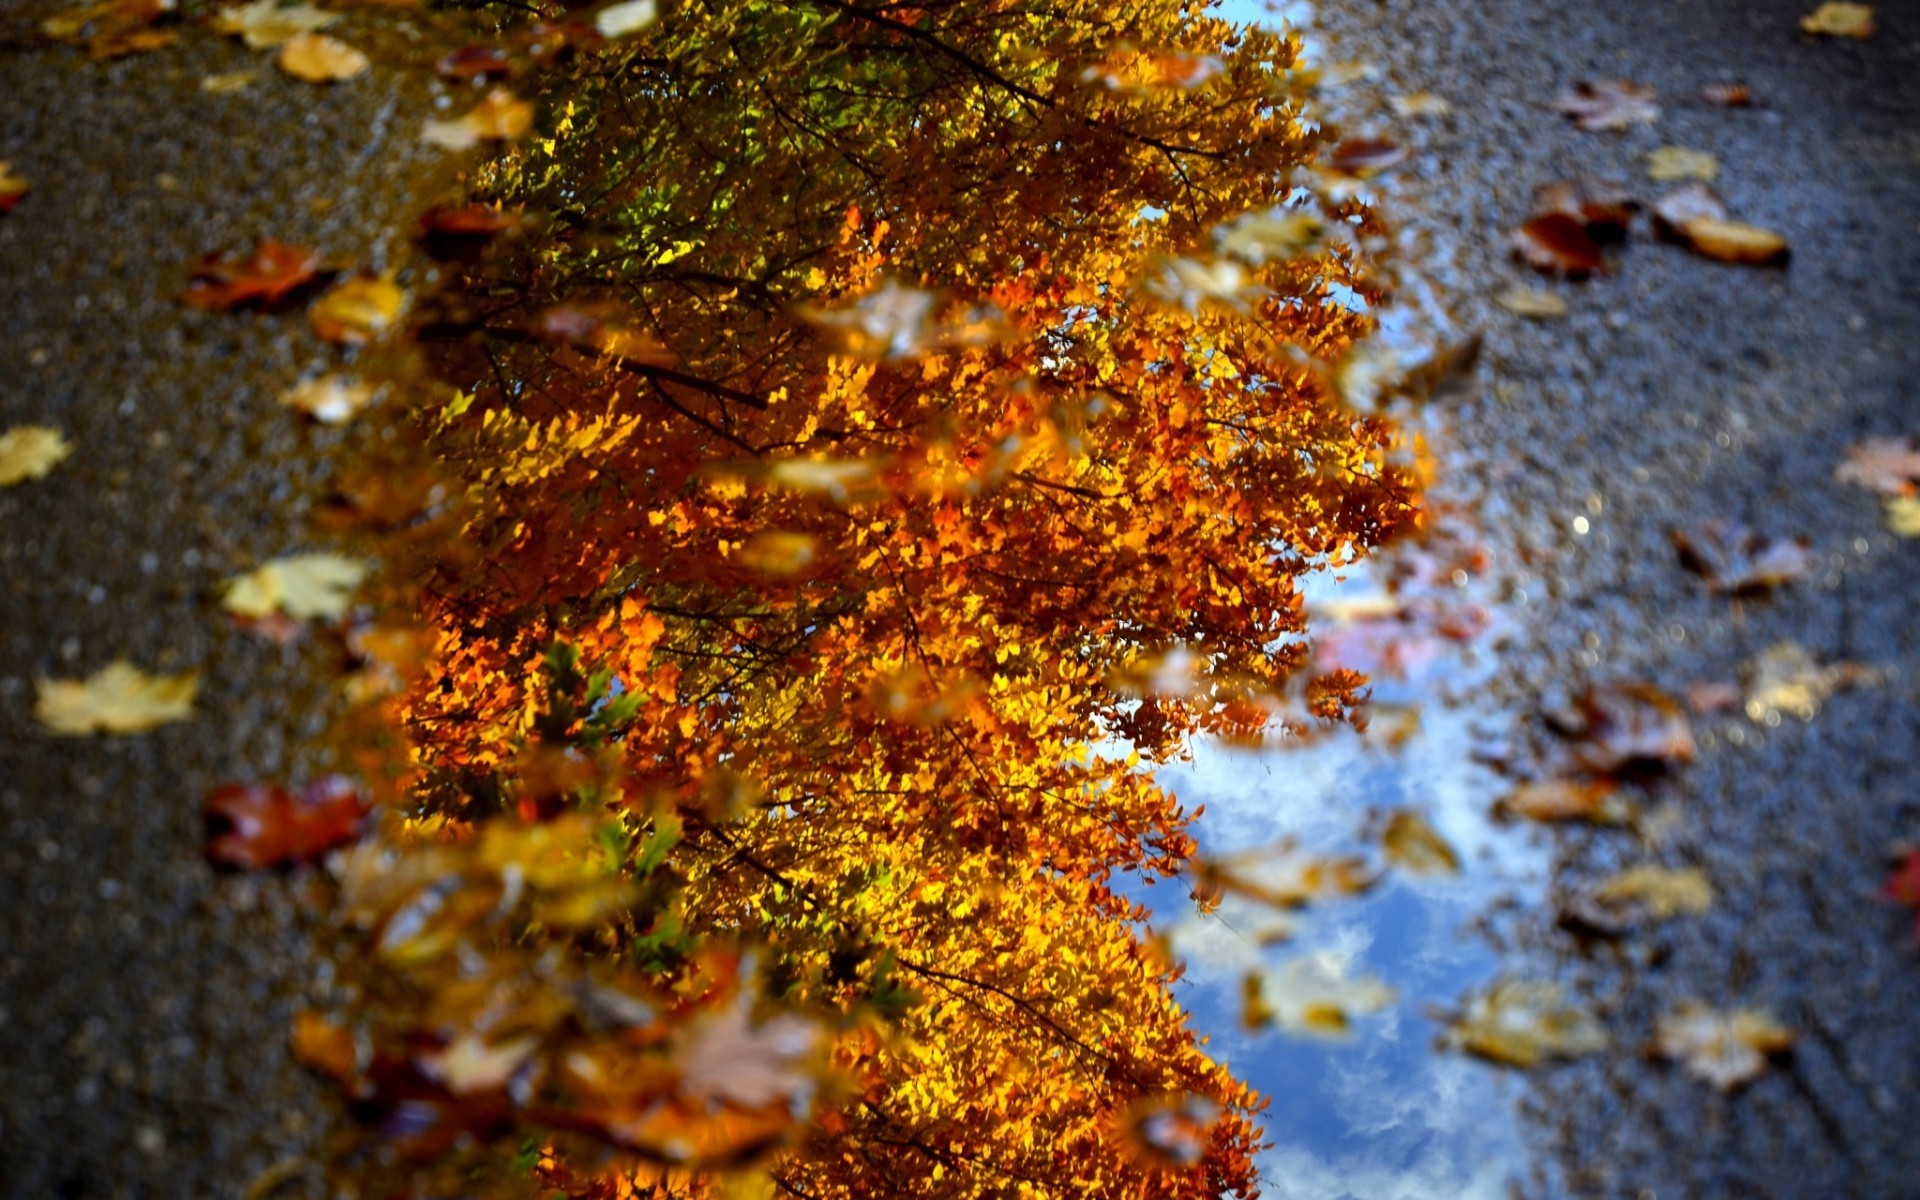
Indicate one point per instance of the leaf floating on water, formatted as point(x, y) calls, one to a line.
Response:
point(501, 117)
point(227, 83)
point(1677, 162)
point(1885, 465)
point(13, 188)
point(1558, 244)
point(1259, 238)
point(1734, 558)
point(317, 58)
point(267, 23)
point(357, 310)
point(1727, 1049)
point(30, 452)
point(1533, 303)
point(274, 272)
point(1660, 892)
point(257, 826)
point(1552, 800)
point(620, 20)
point(114, 28)
point(1313, 994)
point(1410, 842)
point(1622, 724)
point(1696, 201)
point(330, 399)
point(1611, 104)
point(1366, 156)
point(1839, 19)
point(1734, 242)
point(119, 698)
point(1903, 516)
point(1420, 104)
point(1521, 1024)
point(1283, 875)
point(1786, 679)
point(303, 586)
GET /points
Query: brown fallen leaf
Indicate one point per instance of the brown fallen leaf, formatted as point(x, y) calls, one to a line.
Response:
point(1727, 95)
point(264, 24)
point(271, 274)
point(1839, 19)
point(1555, 800)
point(1727, 1049)
point(1557, 244)
point(1693, 202)
point(357, 310)
point(1734, 558)
point(1605, 210)
point(1889, 466)
point(500, 117)
point(1410, 842)
point(1610, 104)
point(1366, 156)
point(330, 399)
point(1532, 303)
point(114, 28)
point(118, 698)
point(1734, 242)
point(317, 58)
point(1677, 162)
point(13, 189)
point(1617, 725)
point(1522, 1024)
point(30, 452)
point(1660, 892)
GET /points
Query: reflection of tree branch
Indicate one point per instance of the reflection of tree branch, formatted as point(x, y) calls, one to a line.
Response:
point(1023, 1004)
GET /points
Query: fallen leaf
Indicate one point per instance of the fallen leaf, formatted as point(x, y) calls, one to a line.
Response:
point(258, 825)
point(330, 399)
point(1677, 162)
point(731, 1059)
point(303, 586)
point(1712, 697)
point(1903, 886)
point(29, 452)
point(1903, 516)
point(1734, 242)
point(468, 221)
point(1660, 892)
point(273, 272)
point(1839, 19)
point(619, 20)
point(1366, 156)
point(330, 1049)
point(474, 62)
point(1420, 104)
point(1726, 1049)
point(1532, 303)
point(228, 83)
point(267, 23)
point(1693, 202)
point(1552, 800)
point(1885, 465)
point(1611, 104)
point(470, 1064)
point(1786, 679)
point(1312, 994)
point(500, 117)
point(1410, 842)
point(357, 310)
point(1605, 210)
point(1522, 1024)
point(114, 28)
point(1727, 95)
point(13, 189)
point(1558, 244)
point(317, 58)
point(1284, 876)
point(1734, 558)
point(119, 698)
point(1276, 236)
point(1622, 724)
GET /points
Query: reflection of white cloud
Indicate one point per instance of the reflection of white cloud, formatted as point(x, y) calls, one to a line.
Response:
point(1297, 1173)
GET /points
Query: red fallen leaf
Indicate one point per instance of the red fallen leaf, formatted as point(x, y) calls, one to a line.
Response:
point(468, 221)
point(1727, 95)
point(1558, 244)
point(1611, 104)
point(1620, 724)
point(1734, 558)
point(1694, 202)
point(1903, 886)
point(474, 62)
point(1364, 156)
point(1605, 210)
point(261, 825)
point(269, 275)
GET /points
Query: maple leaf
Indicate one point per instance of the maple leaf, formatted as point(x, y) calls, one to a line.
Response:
point(1312, 994)
point(267, 23)
point(499, 117)
point(1549, 800)
point(257, 825)
point(1410, 842)
point(1839, 19)
point(1885, 465)
point(329, 399)
point(273, 272)
point(13, 188)
point(1521, 1024)
point(1727, 1049)
point(1660, 892)
point(118, 698)
point(303, 586)
point(356, 310)
point(317, 58)
point(30, 452)
point(1677, 162)
point(623, 20)
point(1735, 558)
point(1611, 104)
point(1903, 886)
point(731, 1059)
point(1532, 303)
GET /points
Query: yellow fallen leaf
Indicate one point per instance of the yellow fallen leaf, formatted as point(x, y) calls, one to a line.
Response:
point(227, 83)
point(329, 399)
point(12, 187)
point(29, 452)
point(501, 117)
point(119, 698)
point(1532, 303)
point(1522, 1024)
point(303, 586)
point(1678, 162)
point(1903, 516)
point(1413, 844)
point(1660, 892)
point(356, 310)
point(1312, 994)
point(1726, 1049)
point(1275, 236)
point(265, 23)
point(1733, 242)
point(1420, 104)
point(1839, 19)
point(317, 58)
point(1567, 800)
point(619, 20)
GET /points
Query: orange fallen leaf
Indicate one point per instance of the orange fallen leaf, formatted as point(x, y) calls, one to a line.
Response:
point(317, 58)
point(357, 309)
point(1733, 242)
point(114, 28)
point(258, 825)
point(1727, 1049)
point(501, 117)
point(273, 272)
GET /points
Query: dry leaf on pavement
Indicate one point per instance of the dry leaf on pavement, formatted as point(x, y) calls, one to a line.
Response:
point(1785, 679)
point(1734, 558)
point(357, 310)
point(29, 452)
point(1551, 800)
point(1726, 1049)
point(1521, 1024)
point(1659, 892)
point(118, 698)
point(1885, 465)
point(1903, 516)
point(13, 189)
point(265, 23)
point(1533, 303)
point(330, 399)
point(501, 117)
point(1735, 242)
point(1312, 994)
point(1677, 162)
point(1410, 842)
point(1420, 104)
point(1558, 244)
point(1617, 725)
point(303, 586)
point(317, 58)
point(1839, 19)
point(1610, 104)
point(1727, 95)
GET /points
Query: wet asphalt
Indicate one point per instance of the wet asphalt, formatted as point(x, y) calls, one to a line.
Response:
point(144, 999)
point(1680, 390)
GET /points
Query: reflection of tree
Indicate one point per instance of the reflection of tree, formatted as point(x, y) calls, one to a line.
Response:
point(824, 424)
